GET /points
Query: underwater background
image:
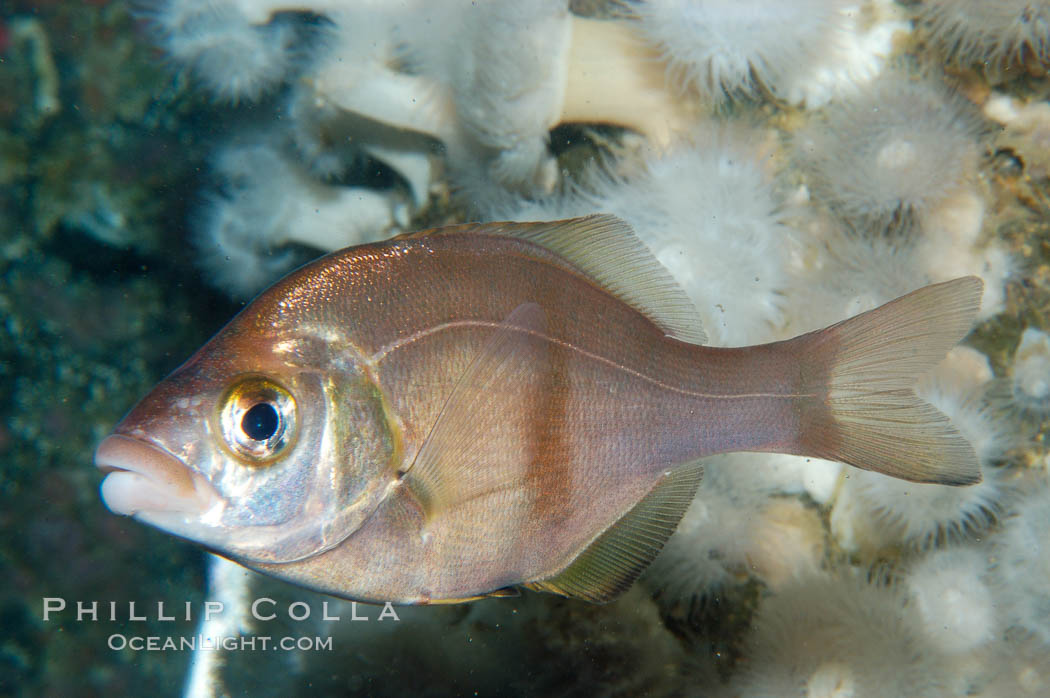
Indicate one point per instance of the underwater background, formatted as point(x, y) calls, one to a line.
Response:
point(791, 163)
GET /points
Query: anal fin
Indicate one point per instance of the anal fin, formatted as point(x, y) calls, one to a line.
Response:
point(610, 564)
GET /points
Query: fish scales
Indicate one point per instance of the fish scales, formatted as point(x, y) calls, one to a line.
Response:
point(585, 440)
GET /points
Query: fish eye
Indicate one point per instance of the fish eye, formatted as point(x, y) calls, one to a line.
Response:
point(261, 421)
point(257, 419)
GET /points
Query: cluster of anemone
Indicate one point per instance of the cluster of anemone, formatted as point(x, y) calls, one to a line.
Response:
point(955, 607)
point(267, 202)
point(886, 510)
point(728, 49)
point(1030, 372)
point(1021, 574)
point(804, 52)
point(403, 81)
point(838, 636)
point(999, 35)
point(896, 150)
point(223, 49)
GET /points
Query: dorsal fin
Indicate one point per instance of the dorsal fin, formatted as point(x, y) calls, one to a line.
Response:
point(606, 249)
point(611, 563)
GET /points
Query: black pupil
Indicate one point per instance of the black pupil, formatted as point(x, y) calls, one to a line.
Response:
point(260, 422)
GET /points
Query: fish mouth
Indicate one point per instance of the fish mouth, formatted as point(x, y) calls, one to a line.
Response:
point(143, 478)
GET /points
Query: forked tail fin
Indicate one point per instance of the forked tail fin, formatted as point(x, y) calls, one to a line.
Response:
point(865, 369)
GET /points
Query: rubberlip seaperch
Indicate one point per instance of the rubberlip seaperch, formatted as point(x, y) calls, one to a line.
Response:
point(450, 414)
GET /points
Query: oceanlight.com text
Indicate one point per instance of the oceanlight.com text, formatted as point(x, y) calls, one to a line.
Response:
point(193, 643)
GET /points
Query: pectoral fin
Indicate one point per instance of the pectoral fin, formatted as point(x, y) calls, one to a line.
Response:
point(484, 437)
point(610, 564)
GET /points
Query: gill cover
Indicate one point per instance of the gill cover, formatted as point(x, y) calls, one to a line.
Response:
point(302, 460)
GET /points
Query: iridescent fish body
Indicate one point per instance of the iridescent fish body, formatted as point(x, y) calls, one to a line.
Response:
point(448, 414)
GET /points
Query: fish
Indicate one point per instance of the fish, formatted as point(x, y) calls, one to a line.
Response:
point(472, 410)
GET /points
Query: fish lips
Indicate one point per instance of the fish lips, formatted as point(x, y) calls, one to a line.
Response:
point(146, 480)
